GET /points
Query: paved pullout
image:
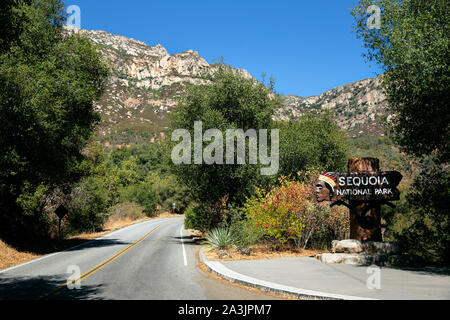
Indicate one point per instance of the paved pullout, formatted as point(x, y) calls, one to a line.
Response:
point(149, 260)
point(309, 278)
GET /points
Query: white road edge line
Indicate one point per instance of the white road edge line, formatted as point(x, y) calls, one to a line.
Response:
point(182, 245)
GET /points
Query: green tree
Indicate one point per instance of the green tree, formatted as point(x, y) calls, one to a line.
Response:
point(144, 195)
point(313, 141)
point(412, 47)
point(170, 190)
point(90, 203)
point(152, 157)
point(48, 82)
point(230, 102)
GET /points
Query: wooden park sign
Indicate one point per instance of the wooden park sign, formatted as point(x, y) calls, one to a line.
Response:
point(366, 189)
point(359, 186)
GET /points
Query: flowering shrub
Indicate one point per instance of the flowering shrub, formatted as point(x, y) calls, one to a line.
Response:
point(289, 212)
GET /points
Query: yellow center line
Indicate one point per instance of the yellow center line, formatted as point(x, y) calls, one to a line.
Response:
point(103, 264)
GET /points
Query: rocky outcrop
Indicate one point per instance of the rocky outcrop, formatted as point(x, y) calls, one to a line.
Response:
point(358, 107)
point(146, 82)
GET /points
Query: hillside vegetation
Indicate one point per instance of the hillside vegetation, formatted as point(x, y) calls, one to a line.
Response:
point(146, 83)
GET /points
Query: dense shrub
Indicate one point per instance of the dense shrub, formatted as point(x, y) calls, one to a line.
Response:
point(169, 190)
point(202, 218)
point(312, 141)
point(276, 210)
point(421, 218)
point(323, 225)
point(144, 195)
point(244, 232)
point(90, 203)
point(289, 213)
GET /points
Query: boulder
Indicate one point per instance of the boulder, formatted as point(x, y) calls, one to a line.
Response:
point(243, 250)
point(353, 258)
point(223, 254)
point(346, 246)
point(368, 247)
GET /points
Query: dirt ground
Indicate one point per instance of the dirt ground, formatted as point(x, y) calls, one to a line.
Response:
point(258, 252)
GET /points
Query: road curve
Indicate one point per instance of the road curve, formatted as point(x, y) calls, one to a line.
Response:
point(153, 260)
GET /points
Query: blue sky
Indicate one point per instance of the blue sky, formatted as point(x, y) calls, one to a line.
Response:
point(308, 46)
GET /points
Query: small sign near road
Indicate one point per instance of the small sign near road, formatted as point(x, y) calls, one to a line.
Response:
point(61, 211)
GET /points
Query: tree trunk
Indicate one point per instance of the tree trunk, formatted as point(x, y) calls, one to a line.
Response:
point(365, 217)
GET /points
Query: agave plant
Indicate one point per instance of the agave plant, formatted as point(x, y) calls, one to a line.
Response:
point(219, 238)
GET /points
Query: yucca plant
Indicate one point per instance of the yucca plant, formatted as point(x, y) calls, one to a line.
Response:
point(219, 238)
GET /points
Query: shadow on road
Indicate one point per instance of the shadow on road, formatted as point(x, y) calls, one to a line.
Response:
point(435, 271)
point(50, 246)
point(187, 240)
point(36, 288)
point(97, 244)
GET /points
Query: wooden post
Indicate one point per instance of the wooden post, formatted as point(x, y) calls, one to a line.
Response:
point(59, 229)
point(365, 217)
point(61, 212)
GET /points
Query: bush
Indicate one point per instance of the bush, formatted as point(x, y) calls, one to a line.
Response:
point(170, 190)
point(244, 232)
point(90, 203)
point(144, 195)
point(126, 210)
point(276, 210)
point(290, 213)
point(323, 225)
point(219, 238)
point(312, 141)
point(421, 219)
point(202, 218)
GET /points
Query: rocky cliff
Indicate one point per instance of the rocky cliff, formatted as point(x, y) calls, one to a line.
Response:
point(146, 81)
point(358, 107)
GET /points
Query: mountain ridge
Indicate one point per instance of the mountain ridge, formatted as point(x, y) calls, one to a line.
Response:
point(146, 82)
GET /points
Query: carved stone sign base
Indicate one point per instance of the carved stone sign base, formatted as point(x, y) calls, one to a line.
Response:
point(369, 247)
point(358, 252)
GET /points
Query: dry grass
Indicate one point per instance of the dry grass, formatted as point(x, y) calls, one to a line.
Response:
point(10, 256)
point(260, 252)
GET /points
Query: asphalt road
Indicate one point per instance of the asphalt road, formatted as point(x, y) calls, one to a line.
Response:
point(154, 260)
